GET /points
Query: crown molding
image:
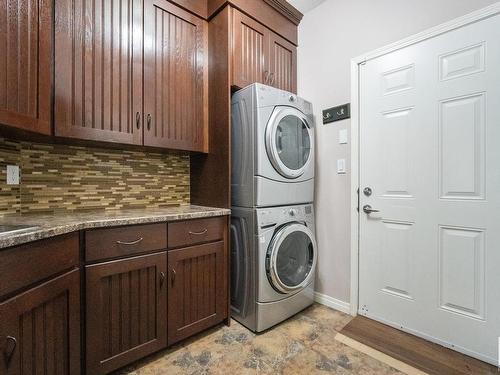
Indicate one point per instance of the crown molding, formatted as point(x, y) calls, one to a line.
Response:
point(287, 10)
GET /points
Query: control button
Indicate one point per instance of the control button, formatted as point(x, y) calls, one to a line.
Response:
point(291, 98)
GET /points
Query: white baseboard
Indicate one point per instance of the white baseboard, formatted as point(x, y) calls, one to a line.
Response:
point(333, 303)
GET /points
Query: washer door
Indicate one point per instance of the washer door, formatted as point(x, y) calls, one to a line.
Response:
point(291, 258)
point(289, 142)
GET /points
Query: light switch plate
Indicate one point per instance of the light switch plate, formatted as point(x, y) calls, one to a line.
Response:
point(343, 136)
point(12, 175)
point(341, 166)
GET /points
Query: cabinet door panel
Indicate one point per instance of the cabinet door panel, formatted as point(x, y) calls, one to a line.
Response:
point(175, 78)
point(98, 62)
point(250, 48)
point(45, 323)
point(197, 293)
point(25, 64)
point(126, 311)
point(283, 64)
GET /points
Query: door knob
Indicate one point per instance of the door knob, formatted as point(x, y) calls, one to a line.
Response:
point(367, 191)
point(368, 209)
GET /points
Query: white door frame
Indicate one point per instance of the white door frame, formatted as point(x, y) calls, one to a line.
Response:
point(470, 18)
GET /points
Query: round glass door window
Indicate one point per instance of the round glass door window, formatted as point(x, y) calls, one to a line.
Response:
point(292, 258)
point(289, 142)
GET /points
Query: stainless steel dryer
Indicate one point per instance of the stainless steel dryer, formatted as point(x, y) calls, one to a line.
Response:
point(273, 264)
point(272, 148)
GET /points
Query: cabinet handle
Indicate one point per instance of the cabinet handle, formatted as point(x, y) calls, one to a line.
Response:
point(266, 77)
point(271, 79)
point(173, 274)
point(149, 121)
point(8, 354)
point(138, 120)
point(199, 233)
point(162, 279)
point(130, 243)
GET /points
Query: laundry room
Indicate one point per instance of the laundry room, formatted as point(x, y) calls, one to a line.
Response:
point(249, 187)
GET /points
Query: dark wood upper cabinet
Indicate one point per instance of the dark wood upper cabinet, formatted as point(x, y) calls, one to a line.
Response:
point(260, 55)
point(25, 64)
point(98, 64)
point(175, 77)
point(250, 44)
point(283, 64)
point(197, 292)
point(40, 329)
point(126, 311)
point(114, 86)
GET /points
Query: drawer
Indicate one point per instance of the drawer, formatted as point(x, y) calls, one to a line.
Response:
point(27, 264)
point(123, 241)
point(190, 232)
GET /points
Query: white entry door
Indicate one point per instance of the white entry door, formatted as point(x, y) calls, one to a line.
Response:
point(430, 162)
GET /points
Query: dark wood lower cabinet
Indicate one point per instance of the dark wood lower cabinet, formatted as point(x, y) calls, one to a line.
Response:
point(134, 306)
point(40, 329)
point(197, 292)
point(126, 304)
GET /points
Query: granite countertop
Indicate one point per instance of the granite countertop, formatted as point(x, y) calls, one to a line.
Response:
point(62, 223)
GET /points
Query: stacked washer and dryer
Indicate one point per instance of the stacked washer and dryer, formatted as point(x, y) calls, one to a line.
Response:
point(272, 224)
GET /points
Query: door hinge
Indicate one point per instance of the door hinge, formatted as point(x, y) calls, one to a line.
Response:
point(357, 192)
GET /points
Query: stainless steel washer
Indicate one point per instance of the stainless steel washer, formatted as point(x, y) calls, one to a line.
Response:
point(274, 256)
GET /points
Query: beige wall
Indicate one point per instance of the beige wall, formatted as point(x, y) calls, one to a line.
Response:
point(329, 36)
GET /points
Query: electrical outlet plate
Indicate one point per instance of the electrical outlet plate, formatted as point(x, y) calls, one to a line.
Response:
point(12, 175)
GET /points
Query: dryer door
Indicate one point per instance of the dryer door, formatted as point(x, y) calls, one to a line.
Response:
point(289, 141)
point(291, 258)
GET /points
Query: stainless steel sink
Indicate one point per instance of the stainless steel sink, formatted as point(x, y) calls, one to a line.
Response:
point(15, 229)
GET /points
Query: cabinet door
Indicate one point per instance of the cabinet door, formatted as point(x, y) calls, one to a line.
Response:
point(175, 77)
point(25, 64)
point(283, 64)
point(40, 329)
point(197, 293)
point(250, 50)
point(126, 311)
point(98, 64)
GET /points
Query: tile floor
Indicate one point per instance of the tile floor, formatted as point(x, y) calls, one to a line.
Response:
point(304, 344)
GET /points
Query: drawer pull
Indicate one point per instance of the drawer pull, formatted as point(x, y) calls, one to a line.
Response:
point(162, 279)
point(173, 274)
point(8, 354)
point(130, 243)
point(204, 231)
point(138, 120)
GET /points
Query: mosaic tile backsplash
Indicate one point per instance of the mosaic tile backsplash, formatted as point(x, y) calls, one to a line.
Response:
point(73, 178)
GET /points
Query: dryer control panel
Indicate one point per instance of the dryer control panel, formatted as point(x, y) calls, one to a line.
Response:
point(281, 215)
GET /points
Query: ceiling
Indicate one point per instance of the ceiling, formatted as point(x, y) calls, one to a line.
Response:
point(305, 5)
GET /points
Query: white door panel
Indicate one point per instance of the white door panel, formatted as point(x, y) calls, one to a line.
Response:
point(430, 151)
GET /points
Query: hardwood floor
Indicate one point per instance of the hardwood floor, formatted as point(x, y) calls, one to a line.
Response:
point(419, 353)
